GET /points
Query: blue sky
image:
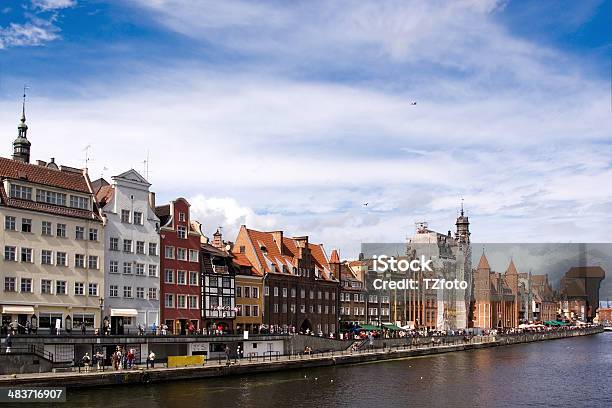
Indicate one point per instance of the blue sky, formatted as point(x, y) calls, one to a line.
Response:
point(291, 115)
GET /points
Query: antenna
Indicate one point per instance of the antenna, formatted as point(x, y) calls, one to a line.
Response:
point(145, 164)
point(86, 149)
point(25, 87)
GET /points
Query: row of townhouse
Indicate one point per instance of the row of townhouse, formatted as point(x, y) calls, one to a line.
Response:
point(96, 254)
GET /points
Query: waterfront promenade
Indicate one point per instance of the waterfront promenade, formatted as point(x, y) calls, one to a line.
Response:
point(219, 368)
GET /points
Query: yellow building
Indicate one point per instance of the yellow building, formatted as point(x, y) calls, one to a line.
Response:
point(52, 241)
point(249, 291)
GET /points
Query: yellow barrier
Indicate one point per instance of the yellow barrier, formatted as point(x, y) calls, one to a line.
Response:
point(183, 361)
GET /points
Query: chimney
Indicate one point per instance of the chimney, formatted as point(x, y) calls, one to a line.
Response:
point(277, 236)
point(152, 200)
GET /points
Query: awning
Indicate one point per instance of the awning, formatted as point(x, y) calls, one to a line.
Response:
point(124, 312)
point(17, 310)
point(391, 326)
point(369, 327)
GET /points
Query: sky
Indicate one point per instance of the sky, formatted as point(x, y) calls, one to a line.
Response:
point(292, 115)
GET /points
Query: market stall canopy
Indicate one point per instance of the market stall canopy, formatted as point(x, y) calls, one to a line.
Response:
point(369, 327)
point(124, 312)
point(391, 326)
point(17, 310)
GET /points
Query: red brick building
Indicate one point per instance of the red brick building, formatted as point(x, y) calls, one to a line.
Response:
point(180, 267)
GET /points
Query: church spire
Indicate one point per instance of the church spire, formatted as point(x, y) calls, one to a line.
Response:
point(21, 145)
point(463, 227)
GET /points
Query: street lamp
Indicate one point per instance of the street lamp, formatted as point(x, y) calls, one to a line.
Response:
point(101, 314)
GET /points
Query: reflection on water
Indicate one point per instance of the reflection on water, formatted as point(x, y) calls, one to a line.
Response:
point(560, 373)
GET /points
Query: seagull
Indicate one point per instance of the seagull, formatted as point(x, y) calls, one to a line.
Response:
point(413, 103)
point(365, 204)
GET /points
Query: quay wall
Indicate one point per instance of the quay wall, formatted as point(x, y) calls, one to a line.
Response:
point(107, 378)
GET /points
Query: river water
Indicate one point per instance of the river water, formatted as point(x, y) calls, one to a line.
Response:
point(559, 373)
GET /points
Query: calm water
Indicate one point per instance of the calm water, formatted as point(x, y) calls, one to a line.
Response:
point(560, 373)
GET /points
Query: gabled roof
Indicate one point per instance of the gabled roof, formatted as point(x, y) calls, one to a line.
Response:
point(105, 195)
point(334, 257)
point(32, 173)
point(132, 175)
point(273, 260)
point(243, 263)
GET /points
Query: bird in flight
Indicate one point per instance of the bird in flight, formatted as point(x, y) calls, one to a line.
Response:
point(365, 204)
point(413, 103)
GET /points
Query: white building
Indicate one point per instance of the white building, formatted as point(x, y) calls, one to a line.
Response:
point(131, 293)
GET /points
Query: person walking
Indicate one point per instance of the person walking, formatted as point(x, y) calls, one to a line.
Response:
point(227, 355)
point(83, 329)
point(8, 343)
point(86, 360)
point(99, 359)
point(151, 359)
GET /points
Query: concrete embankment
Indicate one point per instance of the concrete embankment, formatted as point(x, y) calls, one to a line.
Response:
point(214, 369)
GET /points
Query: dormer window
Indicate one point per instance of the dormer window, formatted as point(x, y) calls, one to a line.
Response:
point(182, 217)
point(50, 197)
point(79, 202)
point(21, 192)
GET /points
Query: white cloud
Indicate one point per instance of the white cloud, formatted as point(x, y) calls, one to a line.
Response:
point(26, 35)
point(49, 5)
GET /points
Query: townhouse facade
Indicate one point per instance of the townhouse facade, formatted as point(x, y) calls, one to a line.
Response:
point(180, 290)
point(131, 248)
point(52, 238)
point(301, 293)
point(249, 293)
point(353, 294)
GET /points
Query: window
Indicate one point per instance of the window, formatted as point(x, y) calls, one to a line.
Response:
point(181, 301)
point(21, 192)
point(193, 255)
point(181, 277)
point(61, 259)
point(247, 310)
point(113, 291)
point(169, 300)
point(127, 291)
point(226, 301)
point(153, 270)
point(326, 295)
point(152, 249)
point(127, 245)
point(247, 292)
point(356, 297)
point(127, 268)
point(153, 293)
point(9, 284)
point(319, 295)
point(181, 231)
point(292, 292)
point(238, 291)
point(125, 216)
point(93, 289)
point(302, 308)
point(193, 278)
point(226, 282)
point(276, 291)
point(255, 310)
point(319, 309)
point(169, 252)
point(26, 255)
point(79, 202)
point(140, 269)
point(46, 228)
point(113, 267)
point(140, 247)
point(26, 285)
point(137, 218)
point(46, 257)
point(242, 249)
point(181, 254)
point(284, 292)
point(169, 276)
point(212, 281)
point(276, 308)
point(9, 223)
point(80, 232)
point(79, 288)
point(239, 311)
point(50, 197)
point(302, 293)
point(193, 302)
point(60, 287)
point(182, 217)
point(10, 253)
point(255, 292)
point(79, 261)
point(61, 231)
point(92, 262)
point(93, 234)
point(311, 294)
point(139, 293)
point(114, 244)
point(26, 225)
point(284, 308)
point(326, 309)
point(266, 291)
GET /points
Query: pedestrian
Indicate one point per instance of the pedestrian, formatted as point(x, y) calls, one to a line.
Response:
point(83, 328)
point(151, 359)
point(227, 355)
point(86, 360)
point(8, 343)
point(99, 359)
point(28, 327)
point(130, 358)
point(239, 352)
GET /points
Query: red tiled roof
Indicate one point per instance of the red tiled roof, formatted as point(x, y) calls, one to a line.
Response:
point(289, 255)
point(105, 195)
point(511, 268)
point(334, 257)
point(241, 260)
point(33, 173)
point(483, 263)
